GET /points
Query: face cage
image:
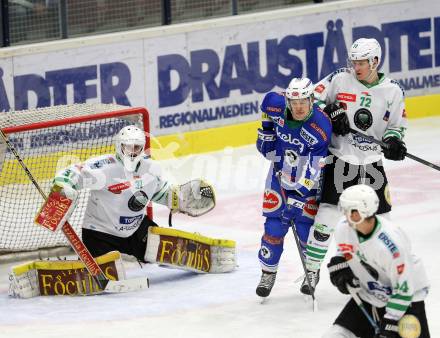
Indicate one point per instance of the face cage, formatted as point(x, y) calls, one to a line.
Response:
point(131, 150)
point(351, 66)
point(310, 99)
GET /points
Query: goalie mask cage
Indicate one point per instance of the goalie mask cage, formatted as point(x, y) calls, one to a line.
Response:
point(47, 140)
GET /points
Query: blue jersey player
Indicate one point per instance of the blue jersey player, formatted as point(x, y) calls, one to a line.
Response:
point(295, 136)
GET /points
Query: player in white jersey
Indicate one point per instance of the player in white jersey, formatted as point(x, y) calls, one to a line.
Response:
point(374, 257)
point(361, 98)
point(121, 185)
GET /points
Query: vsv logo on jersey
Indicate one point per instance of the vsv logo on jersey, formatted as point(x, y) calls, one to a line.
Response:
point(389, 244)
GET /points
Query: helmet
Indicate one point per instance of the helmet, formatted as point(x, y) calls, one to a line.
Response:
point(130, 144)
point(299, 89)
point(366, 49)
point(361, 198)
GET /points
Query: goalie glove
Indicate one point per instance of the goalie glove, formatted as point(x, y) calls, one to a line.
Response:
point(194, 198)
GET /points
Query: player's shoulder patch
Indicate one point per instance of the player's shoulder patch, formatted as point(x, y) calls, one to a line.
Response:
point(338, 71)
point(100, 161)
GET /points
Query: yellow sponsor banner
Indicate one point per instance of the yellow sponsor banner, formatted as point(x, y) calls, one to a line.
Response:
point(192, 236)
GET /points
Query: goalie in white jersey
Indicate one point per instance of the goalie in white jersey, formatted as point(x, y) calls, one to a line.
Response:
point(375, 258)
point(362, 99)
point(121, 185)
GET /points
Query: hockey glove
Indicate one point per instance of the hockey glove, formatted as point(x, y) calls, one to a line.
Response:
point(388, 329)
point(394, 149)
point(293, 210)
point(339, 118)
point(341, 274)
point(266, 142)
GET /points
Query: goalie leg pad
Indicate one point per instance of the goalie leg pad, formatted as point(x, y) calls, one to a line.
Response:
point(190, 251)
point(62, 278)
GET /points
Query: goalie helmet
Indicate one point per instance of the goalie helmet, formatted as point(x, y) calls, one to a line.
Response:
point(366, 49)
point(361, 198)
point(130, 144)
point(299, 89)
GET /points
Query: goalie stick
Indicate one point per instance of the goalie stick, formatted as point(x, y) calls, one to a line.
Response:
point(78, 246)
point(383, 145)
point(298, 245)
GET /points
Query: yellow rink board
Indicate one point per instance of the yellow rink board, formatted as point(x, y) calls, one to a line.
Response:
point(176, 145)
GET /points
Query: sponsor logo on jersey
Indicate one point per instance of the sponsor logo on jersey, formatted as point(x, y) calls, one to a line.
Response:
point(278, 120)
point(389, 244)
point(309, 138)
point(290, 139)
point(319, 88)
point(400, 268)
point(274, 109)
point(272, 239)
point(271, 200)
point(308, 183)
point(374, 286)
point(319, 130)
point(310, 208)
point(386, 117)
point(340, 70)
point(346, 97)
point(130, 219)
point(345, 248)
point(100, 163)
point(119, 187)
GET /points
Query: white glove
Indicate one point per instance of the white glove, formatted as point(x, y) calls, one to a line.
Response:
point(194, 198)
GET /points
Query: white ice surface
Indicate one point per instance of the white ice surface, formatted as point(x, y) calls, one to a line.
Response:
point(182, 304)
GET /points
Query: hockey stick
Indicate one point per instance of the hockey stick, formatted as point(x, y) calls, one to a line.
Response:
point(298, 245)
point(383, 145)
point(77, 244)
point(361, 306)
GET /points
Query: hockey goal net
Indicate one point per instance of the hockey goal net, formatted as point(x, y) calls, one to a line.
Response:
point(47, 140)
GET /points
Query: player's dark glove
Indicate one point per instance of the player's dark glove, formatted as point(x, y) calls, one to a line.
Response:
point(293, 210)
point(266, 141)
point(339, 118)
point(388, 329)
point(341, 274)
point(395, 149)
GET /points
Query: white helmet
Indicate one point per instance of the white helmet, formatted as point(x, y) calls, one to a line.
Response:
point(299, 89)
point(130, 144)
point(361, 198)
point(366, 49)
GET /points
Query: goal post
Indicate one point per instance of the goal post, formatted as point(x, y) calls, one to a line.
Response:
point(48, 140)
